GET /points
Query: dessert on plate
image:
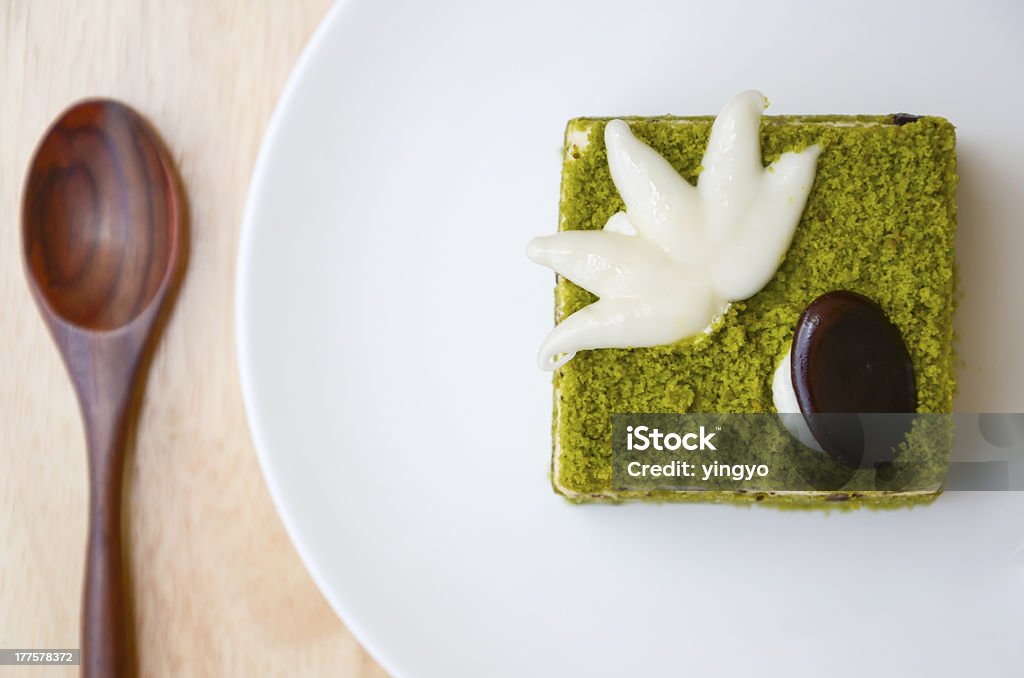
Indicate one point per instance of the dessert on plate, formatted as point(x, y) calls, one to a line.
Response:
point(749, 264)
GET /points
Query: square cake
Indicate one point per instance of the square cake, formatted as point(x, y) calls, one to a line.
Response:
point(879, 221)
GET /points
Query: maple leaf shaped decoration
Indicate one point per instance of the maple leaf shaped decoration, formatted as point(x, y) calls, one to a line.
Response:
point(672, 263)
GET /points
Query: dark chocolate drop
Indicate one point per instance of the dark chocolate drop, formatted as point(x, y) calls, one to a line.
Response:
point(904, 118)
point(848, 362)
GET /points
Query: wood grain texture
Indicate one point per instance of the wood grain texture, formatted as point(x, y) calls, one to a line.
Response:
point(215, 585)
point(101, 214)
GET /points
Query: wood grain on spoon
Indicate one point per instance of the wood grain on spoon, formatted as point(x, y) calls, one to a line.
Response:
point(103, 235)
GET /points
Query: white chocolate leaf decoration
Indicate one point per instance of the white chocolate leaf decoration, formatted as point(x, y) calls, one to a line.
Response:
point(669, 265)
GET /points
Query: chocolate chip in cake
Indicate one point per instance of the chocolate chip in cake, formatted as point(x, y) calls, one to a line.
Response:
point(904, 118)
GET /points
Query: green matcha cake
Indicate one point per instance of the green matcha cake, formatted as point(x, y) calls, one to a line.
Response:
point(879, 220)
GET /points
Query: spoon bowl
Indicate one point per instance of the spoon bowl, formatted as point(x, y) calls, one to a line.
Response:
point(100, 217)
point(103, 233)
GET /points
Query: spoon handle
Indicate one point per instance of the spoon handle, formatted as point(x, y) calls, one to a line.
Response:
point(104, 643)
point(105, 374)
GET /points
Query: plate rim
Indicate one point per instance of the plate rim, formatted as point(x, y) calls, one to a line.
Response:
point(243, 358)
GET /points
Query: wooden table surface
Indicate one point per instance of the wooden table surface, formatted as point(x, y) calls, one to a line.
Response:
point(217, 588)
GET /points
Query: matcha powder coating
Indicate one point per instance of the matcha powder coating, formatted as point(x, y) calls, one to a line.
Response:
point(880, 220)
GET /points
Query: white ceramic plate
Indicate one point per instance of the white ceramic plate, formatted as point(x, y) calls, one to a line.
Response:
point(388, 321)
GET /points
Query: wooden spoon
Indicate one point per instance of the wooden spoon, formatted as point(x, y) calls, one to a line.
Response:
point(103, 235)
